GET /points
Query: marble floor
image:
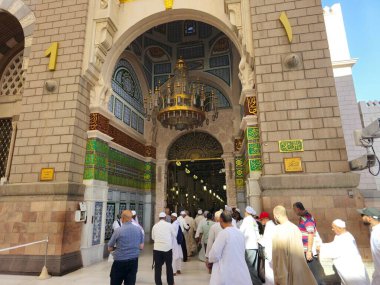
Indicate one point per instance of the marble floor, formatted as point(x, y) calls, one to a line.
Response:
point(193, 272)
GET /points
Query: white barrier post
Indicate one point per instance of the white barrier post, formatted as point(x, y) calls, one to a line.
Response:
point(44, 273)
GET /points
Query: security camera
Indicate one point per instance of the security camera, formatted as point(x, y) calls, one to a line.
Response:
point(363, 162)
point(372, 130)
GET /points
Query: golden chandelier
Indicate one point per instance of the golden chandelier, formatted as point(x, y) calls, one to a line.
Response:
point(181, 104)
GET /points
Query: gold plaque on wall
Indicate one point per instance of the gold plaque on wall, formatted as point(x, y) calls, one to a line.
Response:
point(47, 174)
point(293, 164)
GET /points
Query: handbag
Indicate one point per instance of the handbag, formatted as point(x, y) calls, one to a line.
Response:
point(261, 262)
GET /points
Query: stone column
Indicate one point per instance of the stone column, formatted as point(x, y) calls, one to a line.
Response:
point(254, 191)
point(95, 197)
point(161, 185)
point(229, 162)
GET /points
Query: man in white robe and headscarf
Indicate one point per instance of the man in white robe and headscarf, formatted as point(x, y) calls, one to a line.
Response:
point(250, 230)
point(135, 222)
point(228, 255)
point(198, 219)
point(177, 249)
point(345, 254)
point(212, 235)
point(201, 254)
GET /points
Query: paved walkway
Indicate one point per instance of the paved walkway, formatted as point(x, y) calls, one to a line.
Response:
point(193, 273)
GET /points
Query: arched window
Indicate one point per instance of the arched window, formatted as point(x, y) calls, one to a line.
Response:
point(127, 103)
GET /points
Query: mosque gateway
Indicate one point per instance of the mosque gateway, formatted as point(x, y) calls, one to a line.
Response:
point(108, 105)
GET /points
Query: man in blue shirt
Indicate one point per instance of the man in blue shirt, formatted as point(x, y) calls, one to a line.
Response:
point(128, 240)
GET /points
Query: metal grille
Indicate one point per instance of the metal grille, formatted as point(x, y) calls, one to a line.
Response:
point(110, 217)
point(5, 142)
point(12, 80)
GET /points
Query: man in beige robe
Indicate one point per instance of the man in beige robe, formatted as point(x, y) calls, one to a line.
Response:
point(289, 264)
point(189, 235)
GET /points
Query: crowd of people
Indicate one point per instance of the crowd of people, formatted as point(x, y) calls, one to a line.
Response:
point(245, 248)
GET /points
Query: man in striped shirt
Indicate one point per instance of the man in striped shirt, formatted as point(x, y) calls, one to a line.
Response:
point(308, 229)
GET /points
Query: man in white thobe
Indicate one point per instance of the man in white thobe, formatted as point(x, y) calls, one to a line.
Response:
point(227, 255)
point(345, 254)
point(229, 209)
point(212, 235)
point(184, 227)
point(177, 250)
point(163, 235)
point(117, 223)
point(250, 230)
point(201, 254)
point(198, 218)
point(370, 217)
point(135, 222)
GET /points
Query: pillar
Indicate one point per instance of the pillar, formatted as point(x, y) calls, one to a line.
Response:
point(95, 197)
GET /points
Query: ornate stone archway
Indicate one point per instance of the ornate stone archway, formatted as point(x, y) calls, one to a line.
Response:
point(27, 20)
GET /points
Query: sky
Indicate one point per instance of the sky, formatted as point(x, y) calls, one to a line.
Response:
point(361, 18)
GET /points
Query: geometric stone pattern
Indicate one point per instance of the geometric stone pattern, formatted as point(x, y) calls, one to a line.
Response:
point(110, 217)
point(5, 142)
point(195, 145)
point(253, 149)
point(101, 123)
point(97, 228)
point(125, 170)
point(12, 79)
point(290, 145)
point(298, 102)
point(239, 172)
point(96, 160)
point(108, 164)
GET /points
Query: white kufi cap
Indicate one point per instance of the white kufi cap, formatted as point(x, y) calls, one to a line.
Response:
point(200, 212)
point(133, 213)
point(183, 213)
point(228, 208)
point(339, 223)
point(162, 215)
point(174, 215)
point(250, 210)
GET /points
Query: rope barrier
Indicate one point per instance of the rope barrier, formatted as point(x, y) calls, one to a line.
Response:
point(24, 245)
point(44, 273)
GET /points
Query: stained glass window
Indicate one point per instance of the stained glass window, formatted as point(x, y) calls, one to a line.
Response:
point(127, 115)
point(118, 109)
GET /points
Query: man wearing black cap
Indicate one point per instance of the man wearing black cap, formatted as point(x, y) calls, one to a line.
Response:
point(371, 216)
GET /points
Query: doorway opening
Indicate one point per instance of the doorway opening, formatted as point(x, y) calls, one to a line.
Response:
point(196, 174)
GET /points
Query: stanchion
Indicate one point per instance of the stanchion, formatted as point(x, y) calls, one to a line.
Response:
point(44, 272)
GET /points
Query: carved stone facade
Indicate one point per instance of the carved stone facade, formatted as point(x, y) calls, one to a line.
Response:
point(277, 90)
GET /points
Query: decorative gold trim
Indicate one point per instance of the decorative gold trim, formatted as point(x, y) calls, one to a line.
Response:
point(180, 108)
point(169, 4)
point(288, 28)
point(251, 105)
point(293, 164)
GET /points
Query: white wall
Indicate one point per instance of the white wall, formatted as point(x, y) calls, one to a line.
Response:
point(342, 67)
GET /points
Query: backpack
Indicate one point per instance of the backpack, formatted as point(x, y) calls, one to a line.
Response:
point(179, 236)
